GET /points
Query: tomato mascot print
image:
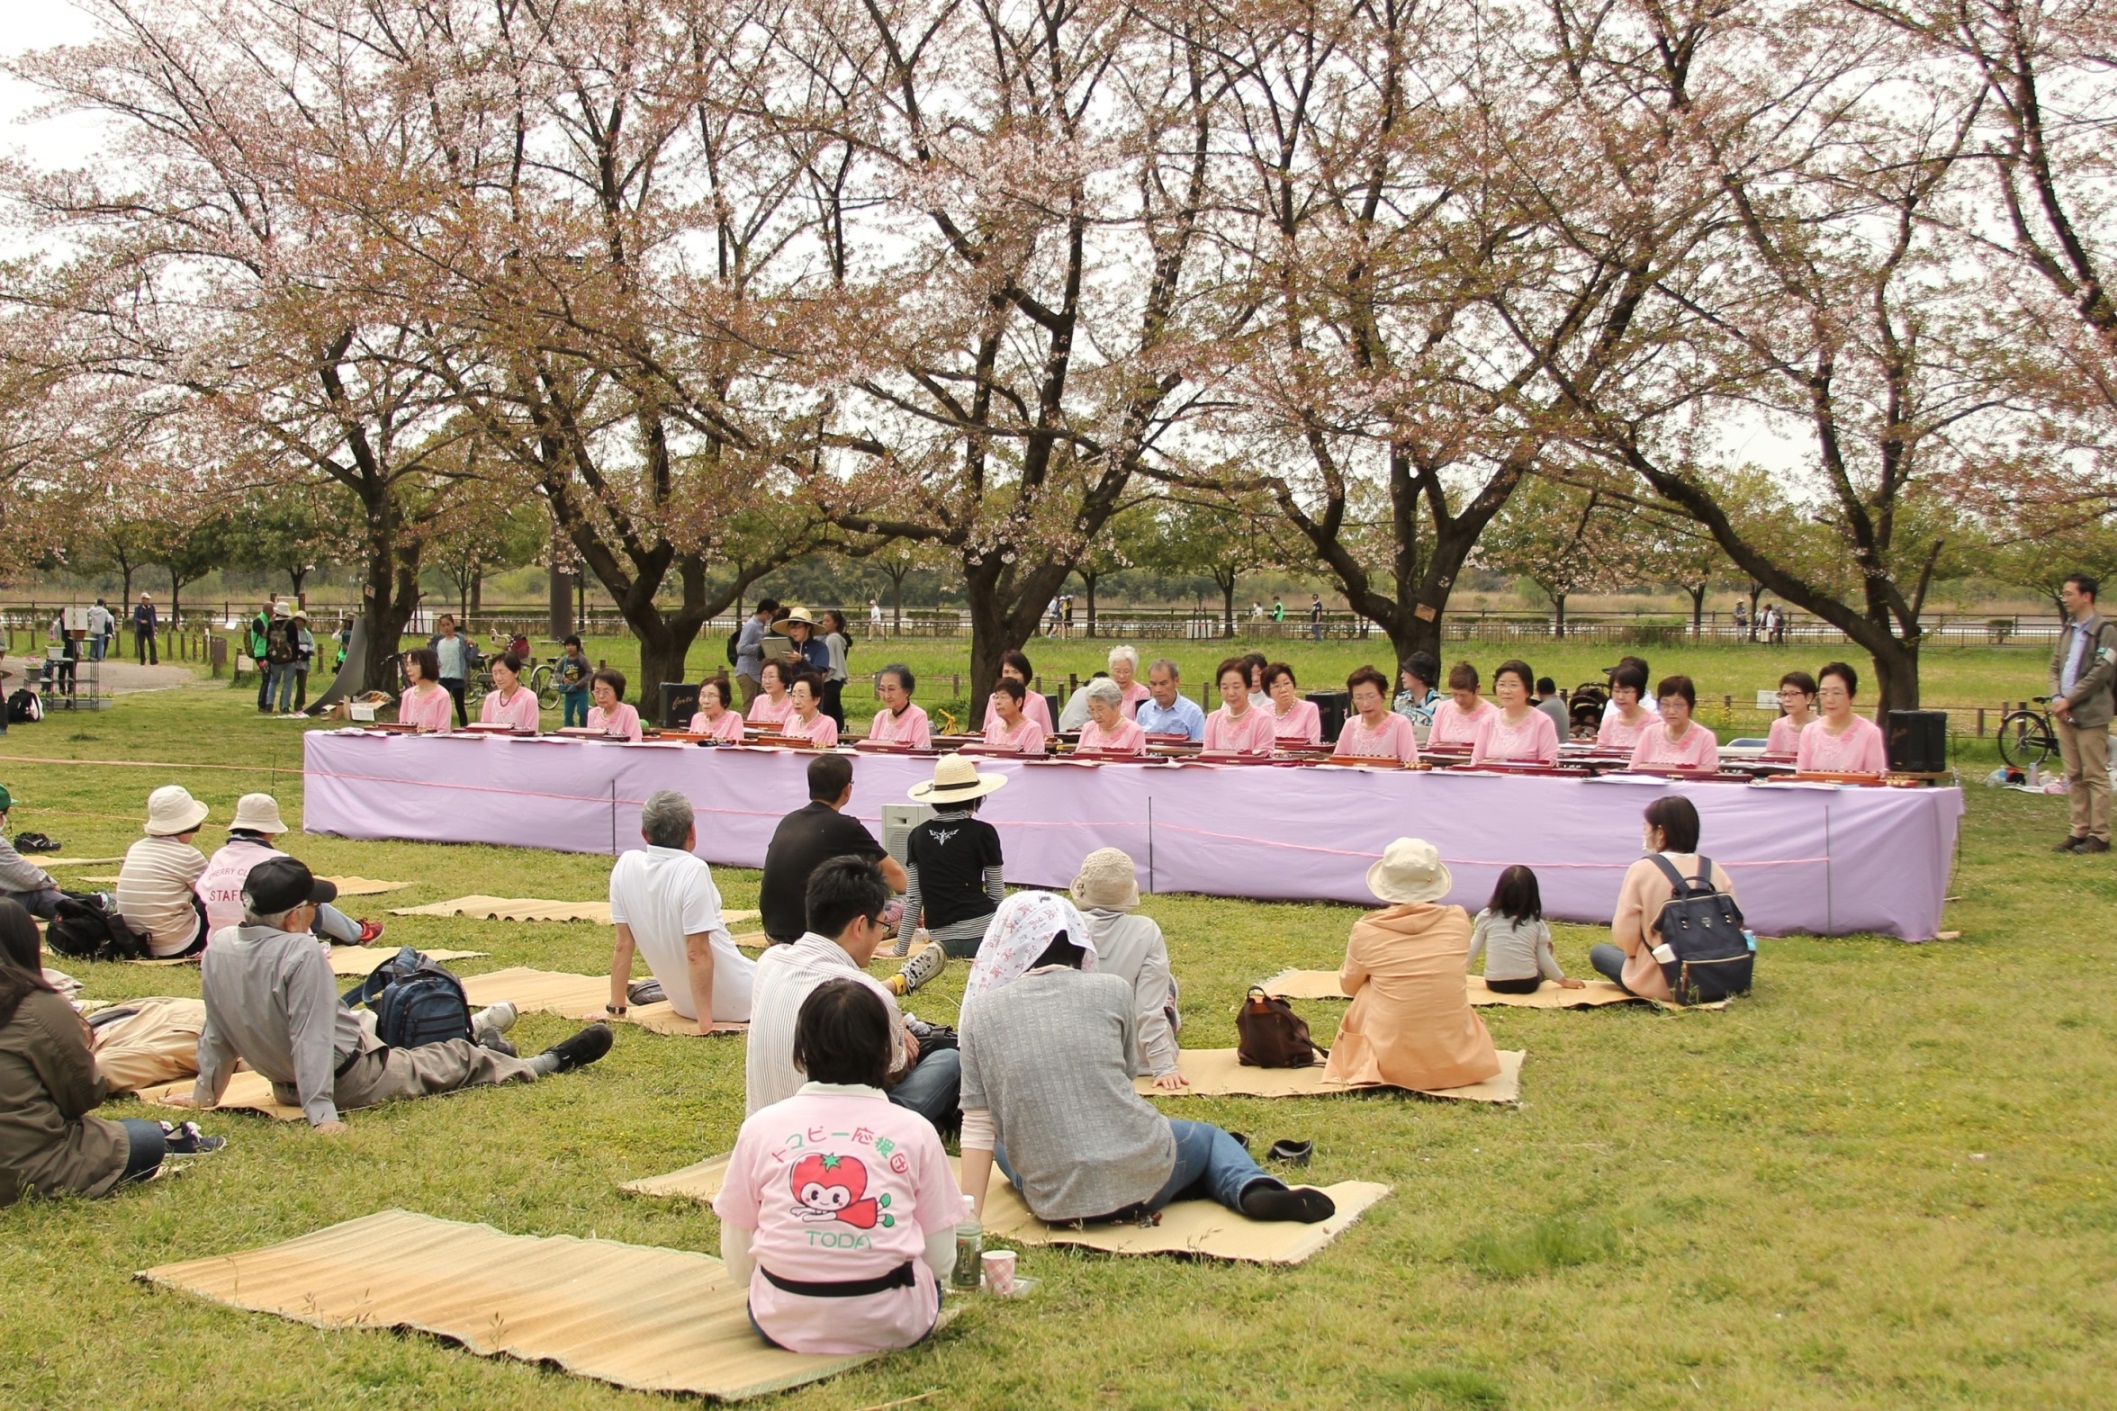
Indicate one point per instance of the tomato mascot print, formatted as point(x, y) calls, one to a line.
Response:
point(827, 1186)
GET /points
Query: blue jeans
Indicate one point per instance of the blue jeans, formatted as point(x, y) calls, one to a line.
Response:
point(932, 1087)
point(96, 643)
point(1609, 962)
point(576, 704)
point(1210, 1165)
point(147, 1148)
point(336, 927)
point(282, 685)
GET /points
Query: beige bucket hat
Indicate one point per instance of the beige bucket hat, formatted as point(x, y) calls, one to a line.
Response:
point(956, 778)
point(1108, 881)
point(800, 615)
point(1410, 871)
point(172, 810)
point(257, 813)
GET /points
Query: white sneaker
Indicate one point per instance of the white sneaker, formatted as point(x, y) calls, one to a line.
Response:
point(498, 1018)
point(923, 967)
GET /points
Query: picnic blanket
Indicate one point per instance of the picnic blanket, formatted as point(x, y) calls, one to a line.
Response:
point(659, 1320)
point(482, 908)
point(247, 1091)
point(1200, 1227)
point(576, 997)
point(1323, 984)
point(1216, 1072)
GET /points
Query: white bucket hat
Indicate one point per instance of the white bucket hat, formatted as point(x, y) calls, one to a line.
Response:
point(172, 810)
point(1410, 871)
point(257, 813)
point(1108, 881)
point(956, 779)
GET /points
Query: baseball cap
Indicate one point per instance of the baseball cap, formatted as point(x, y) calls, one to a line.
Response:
point(282, 883)
point(7, 800)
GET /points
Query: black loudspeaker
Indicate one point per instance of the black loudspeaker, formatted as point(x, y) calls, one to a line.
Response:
point(679, 704)
point(1051, 700)
point(1918, 741)
point(1335, 707)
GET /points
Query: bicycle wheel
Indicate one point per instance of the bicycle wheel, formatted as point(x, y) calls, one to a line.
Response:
point(2025, 738)
point(544, 683)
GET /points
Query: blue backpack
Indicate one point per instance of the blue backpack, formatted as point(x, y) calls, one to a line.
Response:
point(415, 1002)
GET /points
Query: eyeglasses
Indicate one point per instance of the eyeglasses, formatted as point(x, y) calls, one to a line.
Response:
point(1791, 694)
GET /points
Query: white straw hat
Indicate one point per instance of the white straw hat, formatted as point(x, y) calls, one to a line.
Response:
point(1410, 871)
point(1108, 881)
point(257, 813)
point(172, 810)
point(956, 779)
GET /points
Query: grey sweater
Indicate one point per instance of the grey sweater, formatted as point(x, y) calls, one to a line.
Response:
point(271, 1001)
point(1514, 950)
point(1050, 1056)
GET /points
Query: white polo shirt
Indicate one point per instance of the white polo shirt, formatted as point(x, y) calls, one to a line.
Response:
point(664, 895)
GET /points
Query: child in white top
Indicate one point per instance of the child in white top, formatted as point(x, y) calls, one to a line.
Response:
point(1516, 942)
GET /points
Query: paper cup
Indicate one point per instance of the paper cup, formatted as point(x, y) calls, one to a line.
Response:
point(999, 1271)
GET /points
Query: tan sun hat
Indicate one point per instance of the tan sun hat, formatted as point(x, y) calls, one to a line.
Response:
point(172, 810)
point(956, 779)
point(257, 813)
point(1108, 881)
point(800, 615)
point(1410, 871)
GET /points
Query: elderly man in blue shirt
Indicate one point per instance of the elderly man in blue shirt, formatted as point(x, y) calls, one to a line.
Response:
point(1165, 711)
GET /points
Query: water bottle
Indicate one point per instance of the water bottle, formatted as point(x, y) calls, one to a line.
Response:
point(970, 1248)
point(1751, 937)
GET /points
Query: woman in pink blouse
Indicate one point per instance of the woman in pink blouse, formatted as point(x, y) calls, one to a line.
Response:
point(509, 702)
point(1797, 703)
point(1626, 719)
point(772, 705)
point(1516, 732)
point(425, 703)
point(1015, 667)
point(610, 715)
point(1676, 741)
point(808, 722)
point(1841, 742)
point(899, 722)
point(1456, 720)
point(1375, 731)
point(1292, 717)
point(1007, 726)
point(1107, 729)
point(714, 719)
point(1238, 727)
point(1124, 670)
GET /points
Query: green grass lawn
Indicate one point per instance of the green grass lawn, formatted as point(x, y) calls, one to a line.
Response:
point(1885, 1179)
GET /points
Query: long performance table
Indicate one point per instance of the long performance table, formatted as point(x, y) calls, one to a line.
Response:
point(1814, 858)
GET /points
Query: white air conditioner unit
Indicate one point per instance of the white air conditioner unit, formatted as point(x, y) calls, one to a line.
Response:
point(898, 819)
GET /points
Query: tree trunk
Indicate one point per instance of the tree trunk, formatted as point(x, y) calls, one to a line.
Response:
point(391, 589)
point(1558, 617)
point(1227, 606)
point(1004, 613)
point(1088, 577)
point(477, 589)
point(176, 589)
point(299, 576)
point(1896, 669)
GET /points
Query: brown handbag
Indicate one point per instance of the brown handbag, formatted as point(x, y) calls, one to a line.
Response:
point(1268, 1034)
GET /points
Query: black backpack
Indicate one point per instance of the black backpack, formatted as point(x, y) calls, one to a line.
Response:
point(1710, 955)
point(24, 705)
point(734, 639)
point(88, 927)
point(415, 1002)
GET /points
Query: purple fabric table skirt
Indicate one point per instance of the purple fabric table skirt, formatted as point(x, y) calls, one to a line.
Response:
point(1805, 858)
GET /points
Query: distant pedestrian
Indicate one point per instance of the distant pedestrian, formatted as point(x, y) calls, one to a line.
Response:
point(874, 616)
point(1742, 620)
point(1278, 613)
point(101, 626)
point(1315, 617)
point(144, 625)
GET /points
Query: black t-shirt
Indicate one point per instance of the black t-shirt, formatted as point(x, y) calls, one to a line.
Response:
point(804, 841)
point(952, 855)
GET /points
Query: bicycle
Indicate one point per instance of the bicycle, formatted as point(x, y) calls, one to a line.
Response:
point(544, 683)
point(2026, 738)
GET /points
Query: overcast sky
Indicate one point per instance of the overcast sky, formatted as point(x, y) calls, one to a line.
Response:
point(39, 24)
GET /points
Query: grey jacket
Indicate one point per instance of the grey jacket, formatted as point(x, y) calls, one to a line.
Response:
point(2090, 697)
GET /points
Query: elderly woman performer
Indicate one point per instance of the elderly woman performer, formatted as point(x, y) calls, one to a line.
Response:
point(1007, 725)
point(1676, 741)
point(1841, 742)
point(808, 722)
point(714, 718)
point(1411, 1024)
point(1124, 670)
point(1375, 731)
point(610, 714)
point(1240, 726)
point(899, 722)
point(1107, 729)
point(1456, 720)
point(773, 705)
point(1292, 717)
point(1517, 732)
point(1672, 831)
point(509, 702)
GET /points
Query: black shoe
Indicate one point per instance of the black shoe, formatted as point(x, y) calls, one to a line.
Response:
point(2071, 844)
point(2092, 845)
point(1293, 1153)
point(582, 1049)
point(1302, 1204)
point(1242, 1139)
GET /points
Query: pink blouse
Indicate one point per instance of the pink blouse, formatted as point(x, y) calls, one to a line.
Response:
point(1532, 739)
point(911, 728)
point(822, 730)
point(1785, 737)
point(1614, 734)
point(729, 726)
point(1027, 737)
point(1134, 694)
point(1454, 726)
point(1698, 749)
point(1252, 732)
point(1395, 740)
point(1860, 750)
point(623, 720)
point(1034, 707)
point(1127, 738)
point(1303, 722)
point(429, 710)
point(521, 712)
point(763, 711)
